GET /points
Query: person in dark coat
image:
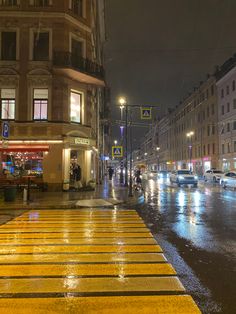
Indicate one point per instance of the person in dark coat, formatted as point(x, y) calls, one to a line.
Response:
point(110, 172)
point(76, 175)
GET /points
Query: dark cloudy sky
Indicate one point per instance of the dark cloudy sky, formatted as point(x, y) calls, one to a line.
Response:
point(158, 50)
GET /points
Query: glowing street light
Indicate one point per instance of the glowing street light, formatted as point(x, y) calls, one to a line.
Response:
point(190, 135)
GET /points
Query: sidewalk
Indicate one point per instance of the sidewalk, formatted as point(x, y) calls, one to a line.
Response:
point(109, 193)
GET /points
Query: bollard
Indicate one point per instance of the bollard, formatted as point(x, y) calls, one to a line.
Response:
point(25, 195)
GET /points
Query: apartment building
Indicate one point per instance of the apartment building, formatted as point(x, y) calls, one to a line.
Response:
point(194, 129)
point(226, 90)
point(52, 86)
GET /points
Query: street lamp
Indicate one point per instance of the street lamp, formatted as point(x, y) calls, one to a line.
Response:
point(189, 135)
point(115, 142)
point(158, 160)
point(123, 104)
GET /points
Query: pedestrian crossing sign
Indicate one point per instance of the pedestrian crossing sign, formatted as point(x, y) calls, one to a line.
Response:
point(146, 113)
point(117, 151)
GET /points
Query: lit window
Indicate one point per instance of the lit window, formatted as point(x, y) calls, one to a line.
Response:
point(8, 103)
point(75, 107)
point(40, 104)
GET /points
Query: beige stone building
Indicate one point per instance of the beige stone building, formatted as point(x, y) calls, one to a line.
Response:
point(52, 86)
point(194, 129)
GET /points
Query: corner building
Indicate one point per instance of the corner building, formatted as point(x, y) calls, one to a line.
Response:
point(52, 86)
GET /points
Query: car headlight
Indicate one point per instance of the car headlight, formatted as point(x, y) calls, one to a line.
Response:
point(181, 177)
point(195, 177)
point(151, 174)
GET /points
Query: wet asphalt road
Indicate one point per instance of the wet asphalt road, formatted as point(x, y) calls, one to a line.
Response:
point(196, 227)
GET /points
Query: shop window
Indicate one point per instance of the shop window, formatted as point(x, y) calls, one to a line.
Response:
point(75, 106)
point(41, 46)
point(8, 45)
point(40, 104)
point(8, 103)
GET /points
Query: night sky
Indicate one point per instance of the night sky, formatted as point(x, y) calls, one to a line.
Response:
point(158, 50)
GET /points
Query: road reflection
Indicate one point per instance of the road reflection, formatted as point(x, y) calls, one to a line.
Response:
point(205, 216)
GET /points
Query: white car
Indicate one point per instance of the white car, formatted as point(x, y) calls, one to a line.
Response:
point(213, 175)
point(228, 179)
point(183, 176)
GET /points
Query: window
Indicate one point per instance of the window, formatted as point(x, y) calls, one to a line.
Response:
point(223, 148)
point(228, 127)
point(227, 89)
point(228, 107)
point(228, 146)
point(213, 130)
point(208, 149)
point(212, 109)
point(234, 125)
point(41, 3)
point(8, 45)
point(40, 104)
point(8, 2)
point(75, 106)
point(222, 93)
point(208, 130)
point(222, 110)
point(77, 48)
point(77, 7)
point(208, 111)
point(204, 150)
point(235, 146)
point(233, 85)
point(234, 103)
point(8, 104)
point(41, 46)
point(213, 148)
point(212, 90)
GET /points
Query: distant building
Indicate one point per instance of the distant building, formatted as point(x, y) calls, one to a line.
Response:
point(52, 87)
point(226, 90)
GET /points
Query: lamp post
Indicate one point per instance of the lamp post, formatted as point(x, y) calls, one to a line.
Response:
point(130, 161)
point(123, 105)
point(158, 160)
point(189, 135)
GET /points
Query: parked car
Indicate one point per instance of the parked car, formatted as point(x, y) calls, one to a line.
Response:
point(213, 175)
point(183, 176)
point(228, 179)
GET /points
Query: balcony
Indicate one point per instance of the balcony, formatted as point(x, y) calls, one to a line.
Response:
point(78, 68)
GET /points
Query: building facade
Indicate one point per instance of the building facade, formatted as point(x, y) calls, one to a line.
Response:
point(52, 86)
point(226, 91)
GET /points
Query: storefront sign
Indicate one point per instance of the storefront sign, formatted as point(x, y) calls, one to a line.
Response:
point(82, 141)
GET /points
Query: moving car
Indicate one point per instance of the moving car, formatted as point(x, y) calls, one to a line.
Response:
point(183, 176)
point(213, 175)
point(163, 174)
point(228, 179)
